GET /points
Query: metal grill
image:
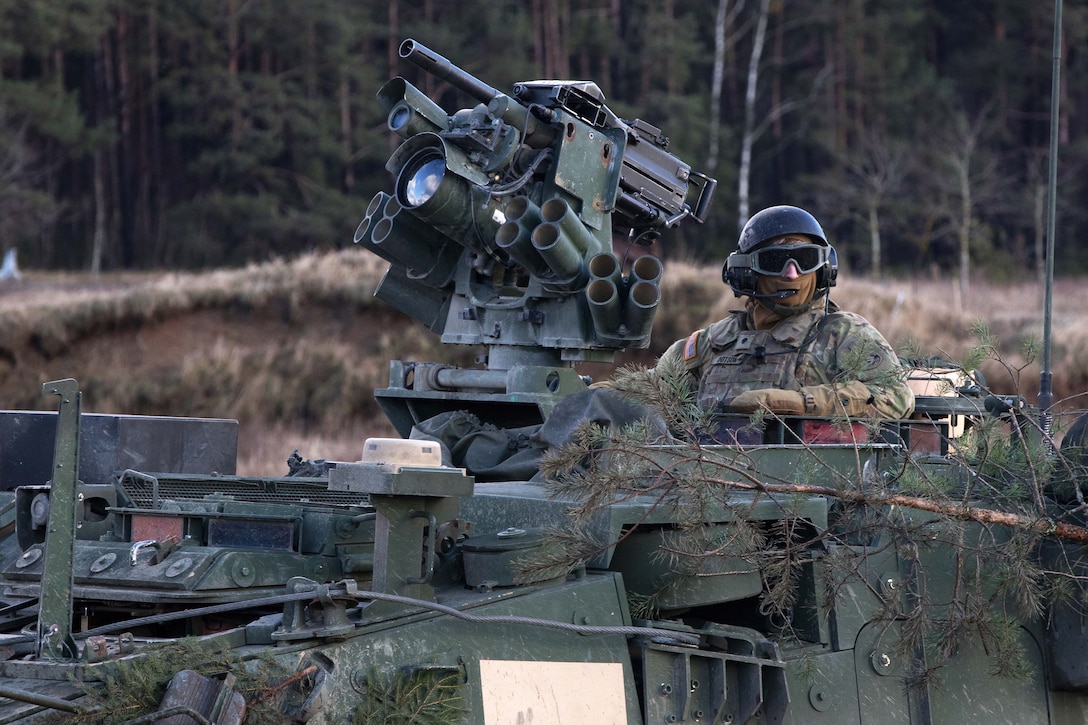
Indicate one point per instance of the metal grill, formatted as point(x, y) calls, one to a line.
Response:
point(148, 490)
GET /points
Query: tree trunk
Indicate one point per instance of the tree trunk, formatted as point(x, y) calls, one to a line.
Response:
point(393, 15)
point(345, 129)
point(98, 243)
point(156, 183)
point(310, 59)
point(874, 238)
point(553, 41)
point(668, 23)
point(123, 206)
point(716, 86)
point(839, 82)
point(965, 230)
point(233, 52)
point(107, 174)
point(748, 138)
point(538, 11)
point(615, 23)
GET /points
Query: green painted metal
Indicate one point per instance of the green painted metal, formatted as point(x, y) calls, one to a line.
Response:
point(55, 606)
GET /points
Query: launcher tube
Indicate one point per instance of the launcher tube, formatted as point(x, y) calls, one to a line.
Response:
point(641, 307)
point(557, 211)
point(604, 306)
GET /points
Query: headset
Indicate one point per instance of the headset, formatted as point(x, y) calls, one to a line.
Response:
point(739, 270)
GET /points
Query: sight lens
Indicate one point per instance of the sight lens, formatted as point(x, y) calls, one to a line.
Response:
point(424, 181)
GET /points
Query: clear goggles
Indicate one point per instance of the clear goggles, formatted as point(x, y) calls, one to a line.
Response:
point(772, 260)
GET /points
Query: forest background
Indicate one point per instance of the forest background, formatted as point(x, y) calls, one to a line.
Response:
point(144, 136)
point(151, 134)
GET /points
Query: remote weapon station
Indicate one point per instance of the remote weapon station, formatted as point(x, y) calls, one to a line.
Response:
point(402, 587)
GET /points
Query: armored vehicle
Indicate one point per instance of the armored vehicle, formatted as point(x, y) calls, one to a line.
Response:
point(533, 549)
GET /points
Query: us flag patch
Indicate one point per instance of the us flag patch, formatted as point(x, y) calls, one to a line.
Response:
point(690, 346)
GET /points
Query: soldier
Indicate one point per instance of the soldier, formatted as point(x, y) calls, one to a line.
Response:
point(791, 350)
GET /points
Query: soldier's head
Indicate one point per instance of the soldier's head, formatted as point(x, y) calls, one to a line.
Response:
point(782, 259)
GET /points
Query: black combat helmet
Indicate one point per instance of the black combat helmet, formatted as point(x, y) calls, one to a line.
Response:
point(771, 223)
point(777, 221)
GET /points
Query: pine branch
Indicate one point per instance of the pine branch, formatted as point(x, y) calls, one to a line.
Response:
point(974, 535)
point(958, 511)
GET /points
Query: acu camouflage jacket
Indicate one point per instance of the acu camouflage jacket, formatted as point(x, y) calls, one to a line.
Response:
point(812, 348)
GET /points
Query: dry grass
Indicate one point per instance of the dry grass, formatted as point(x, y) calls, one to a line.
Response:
point(60, 308)
point(294, 348)
point(924, 311)
point(265, 452)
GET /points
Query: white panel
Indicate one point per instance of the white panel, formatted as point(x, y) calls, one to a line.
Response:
point(559, 693)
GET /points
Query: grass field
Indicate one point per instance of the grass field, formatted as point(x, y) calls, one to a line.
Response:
point(294, 348)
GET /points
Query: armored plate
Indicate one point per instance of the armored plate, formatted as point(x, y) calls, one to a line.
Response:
point(110, 443)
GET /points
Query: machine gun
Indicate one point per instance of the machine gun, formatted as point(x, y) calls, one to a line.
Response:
point(499, 233)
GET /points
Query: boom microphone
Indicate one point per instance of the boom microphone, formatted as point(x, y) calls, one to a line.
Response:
point(779, 295)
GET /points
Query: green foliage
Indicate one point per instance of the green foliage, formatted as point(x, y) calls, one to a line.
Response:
point(670, 391)
point(1003, 466)
point(644, 606)
point(135, 686)
point(422, 697)
point(966, 534)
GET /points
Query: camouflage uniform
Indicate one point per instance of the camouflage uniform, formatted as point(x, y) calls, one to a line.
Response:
point(809, 352)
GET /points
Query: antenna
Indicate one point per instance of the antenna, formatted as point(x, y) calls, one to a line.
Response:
point(1046, 390)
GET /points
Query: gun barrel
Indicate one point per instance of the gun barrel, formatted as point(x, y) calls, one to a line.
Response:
point(442, 68)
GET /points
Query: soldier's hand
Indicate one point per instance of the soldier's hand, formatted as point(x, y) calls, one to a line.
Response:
point(850, 399)
point(775, 400)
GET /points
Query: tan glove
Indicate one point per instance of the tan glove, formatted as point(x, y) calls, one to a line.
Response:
point(776, 400)
point(852, 400)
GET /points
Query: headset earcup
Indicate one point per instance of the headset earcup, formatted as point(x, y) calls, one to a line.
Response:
point(742, 280)
point(748, 280)
point(828, 274)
